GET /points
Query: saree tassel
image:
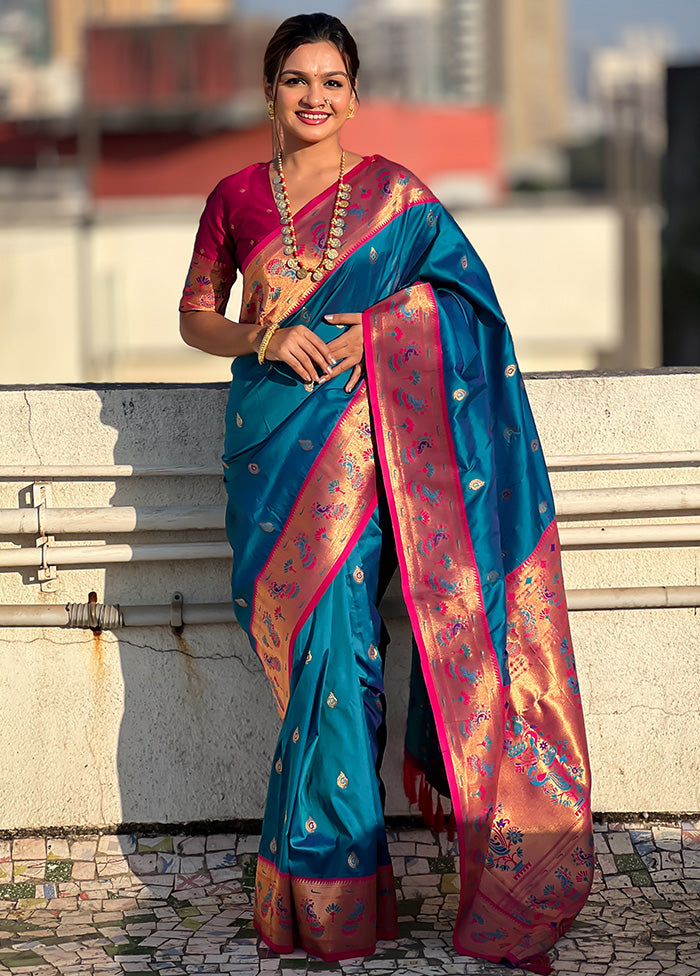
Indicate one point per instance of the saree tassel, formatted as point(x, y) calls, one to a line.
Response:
point(538, 964)
point(425, 802)
point(410, 775)
point(439, 821)
point(451, 826)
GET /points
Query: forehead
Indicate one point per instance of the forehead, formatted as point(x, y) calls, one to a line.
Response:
point(319, 57)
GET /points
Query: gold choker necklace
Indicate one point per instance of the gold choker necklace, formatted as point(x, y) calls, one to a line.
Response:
point(335, 229)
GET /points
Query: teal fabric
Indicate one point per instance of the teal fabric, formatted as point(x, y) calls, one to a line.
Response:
point(274, 431)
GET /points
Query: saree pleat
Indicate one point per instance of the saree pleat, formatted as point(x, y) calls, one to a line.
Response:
point(443, 429)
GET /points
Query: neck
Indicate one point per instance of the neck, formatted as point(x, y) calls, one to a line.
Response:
point(299, 159)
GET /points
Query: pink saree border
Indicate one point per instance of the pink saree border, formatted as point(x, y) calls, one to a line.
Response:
point(534, 788)
point(289, 585)
point(372, 340)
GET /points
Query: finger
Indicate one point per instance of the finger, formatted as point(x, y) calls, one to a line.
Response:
point(310, 366)
point(354, 379)
point(320, 352)
point(341, 319)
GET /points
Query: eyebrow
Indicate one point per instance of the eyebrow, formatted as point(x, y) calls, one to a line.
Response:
point(303, 74)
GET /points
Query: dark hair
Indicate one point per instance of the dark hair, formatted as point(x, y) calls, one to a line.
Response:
point(309, 29)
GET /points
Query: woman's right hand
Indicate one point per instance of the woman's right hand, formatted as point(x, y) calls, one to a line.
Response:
point(301, 349)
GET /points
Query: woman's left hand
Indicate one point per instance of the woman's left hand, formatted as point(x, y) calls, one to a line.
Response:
point(348, 349)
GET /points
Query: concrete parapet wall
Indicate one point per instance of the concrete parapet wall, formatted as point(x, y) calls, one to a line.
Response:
point(141, 726)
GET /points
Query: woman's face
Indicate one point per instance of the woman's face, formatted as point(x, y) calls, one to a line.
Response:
point(314, 94)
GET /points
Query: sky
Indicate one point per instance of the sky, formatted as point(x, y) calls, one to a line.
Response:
point(591, 22)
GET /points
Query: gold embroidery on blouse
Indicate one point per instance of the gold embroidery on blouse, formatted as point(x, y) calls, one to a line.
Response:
point(373, 652)
point(331, 701)
point(310, 825)
point(358, 575)
point(342, 780)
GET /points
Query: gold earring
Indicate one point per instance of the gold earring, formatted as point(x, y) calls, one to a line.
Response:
point(351, 110)
point(271, 110)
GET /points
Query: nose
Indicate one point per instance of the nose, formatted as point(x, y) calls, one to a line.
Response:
point(314, 95)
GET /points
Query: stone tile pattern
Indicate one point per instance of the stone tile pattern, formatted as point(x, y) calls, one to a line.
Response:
point(93, 906)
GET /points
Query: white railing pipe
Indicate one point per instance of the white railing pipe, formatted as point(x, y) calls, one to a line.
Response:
point(578, 537)
point(634, 598)
point(103, 555)
point(630, 536)
point(642, 500)
point(103, 472)
point(55, 521)
point(657, 500)
point(617, 598)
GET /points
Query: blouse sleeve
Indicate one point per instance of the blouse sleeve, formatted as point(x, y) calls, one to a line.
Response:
point(213, 267)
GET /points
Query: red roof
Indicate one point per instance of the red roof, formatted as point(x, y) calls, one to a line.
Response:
point(431, 141)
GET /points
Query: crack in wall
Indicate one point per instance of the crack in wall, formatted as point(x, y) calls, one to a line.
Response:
point(195, 657)
point(29, 426)
point(142, 647)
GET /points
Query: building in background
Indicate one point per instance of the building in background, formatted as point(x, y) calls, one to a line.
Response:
point(506, 54)
point(69, 19)
point(681, 196)
point(400, 46)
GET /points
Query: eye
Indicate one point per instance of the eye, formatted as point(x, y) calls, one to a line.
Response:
point(334, 83)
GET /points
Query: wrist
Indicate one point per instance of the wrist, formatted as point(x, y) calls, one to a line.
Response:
point(267, 335)
point(255, 337)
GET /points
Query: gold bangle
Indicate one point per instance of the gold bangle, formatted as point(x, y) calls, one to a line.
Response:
point(265, 341)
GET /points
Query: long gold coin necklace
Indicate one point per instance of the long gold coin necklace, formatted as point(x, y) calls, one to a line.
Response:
point(335, 228)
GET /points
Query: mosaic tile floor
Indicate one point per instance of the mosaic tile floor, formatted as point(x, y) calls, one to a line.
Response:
point(92, 906)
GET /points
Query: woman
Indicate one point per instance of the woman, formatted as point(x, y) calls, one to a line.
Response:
point(351, 267)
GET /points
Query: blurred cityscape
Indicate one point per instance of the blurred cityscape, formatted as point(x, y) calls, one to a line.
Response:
point(117, 117)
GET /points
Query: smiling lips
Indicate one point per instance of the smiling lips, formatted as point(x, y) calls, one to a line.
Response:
point(312, 118)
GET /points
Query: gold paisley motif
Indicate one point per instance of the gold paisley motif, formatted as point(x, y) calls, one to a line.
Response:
point(310, 825)
point(331, 701)
point(373, 652)
point(239, 420)
point(295, 736)
point(358, 575)
point(459, 394)
point(241, 602)
point(273, 845)
point(278, 766)
point(353, 860)
point(342, 780)
point(511, 369)
point(476, 483)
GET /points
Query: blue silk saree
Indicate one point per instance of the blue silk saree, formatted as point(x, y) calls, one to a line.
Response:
point(433, 461)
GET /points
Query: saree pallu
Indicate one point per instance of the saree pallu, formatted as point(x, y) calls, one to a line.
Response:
point(436, 457)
